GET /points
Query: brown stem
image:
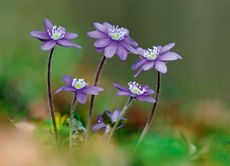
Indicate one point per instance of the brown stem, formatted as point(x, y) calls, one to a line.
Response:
point(71, 118)
point(50, 97)
point(98, 73)
point(151, 116)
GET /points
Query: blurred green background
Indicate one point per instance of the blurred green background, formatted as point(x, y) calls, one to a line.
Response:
point(194, 97)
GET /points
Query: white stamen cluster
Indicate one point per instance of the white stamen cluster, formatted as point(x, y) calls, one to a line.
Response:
point(117, 33)
point(136, 89)
point(79, 83)
point(57, 32)
point(151, 54)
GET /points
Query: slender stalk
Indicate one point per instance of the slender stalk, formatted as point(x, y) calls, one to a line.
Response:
point(105, 135)
point(124, 110)
point(98, 73)
point(151, 116)
point(50, 97)
point(71, 117)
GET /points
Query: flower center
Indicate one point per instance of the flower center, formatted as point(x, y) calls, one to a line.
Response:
point(58, 32)
point(136, 89)
point(117, 33)
point(79, 83)
point(151, 54)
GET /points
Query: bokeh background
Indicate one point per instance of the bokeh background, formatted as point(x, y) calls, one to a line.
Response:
point(194, 99)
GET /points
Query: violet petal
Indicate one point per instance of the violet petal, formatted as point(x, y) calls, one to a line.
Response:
point(67, 79)
point(40, 35)
point(140, 51)
point(123, 93)
point(167, 47)
point(148, 99)
point(120, 87)
point(147, 65)
point(99, 49)
point(81, 97)
point(48, 25)
point(96, 35)
point(130, 41)
point(161, 67)
point(70, 35)
point(65, 89)
point(101, 27)
point(102, 42)
point(170, 56)
point(110, 50)
point(122, 53)
point(115, 116)
point(98, 126)
point(67, 43)
point(149, 92)
point(48, 45)
point(128, 47)
point(93, 90)
point(108, 25)
point(138, 64)
point(138, 72)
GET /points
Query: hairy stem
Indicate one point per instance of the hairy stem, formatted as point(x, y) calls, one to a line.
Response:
point(151, 115)
point(71, 118)
point(50, 97)
point(105, 135)
point(124, 110)
point(98, 73)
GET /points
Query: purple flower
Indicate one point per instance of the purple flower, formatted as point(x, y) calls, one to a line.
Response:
point(79, 87)
point(106, 120)
point(156, 57)
point(136, 91)
point(54, 35)
point(113, 40)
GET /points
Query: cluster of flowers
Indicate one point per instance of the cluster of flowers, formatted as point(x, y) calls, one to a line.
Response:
point(110, 40)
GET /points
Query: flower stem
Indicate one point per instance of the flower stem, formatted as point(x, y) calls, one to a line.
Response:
point(71, 118)
point(151, 116)
point(98, 73)
point(105, 135)
point(50, 97)
point(124, 110)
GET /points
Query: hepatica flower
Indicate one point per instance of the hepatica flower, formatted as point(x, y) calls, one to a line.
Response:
point(112, 40)
point(106, 120)
point(54, 35)
point(136, 91)
point(79, 87)
point(155, 57)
